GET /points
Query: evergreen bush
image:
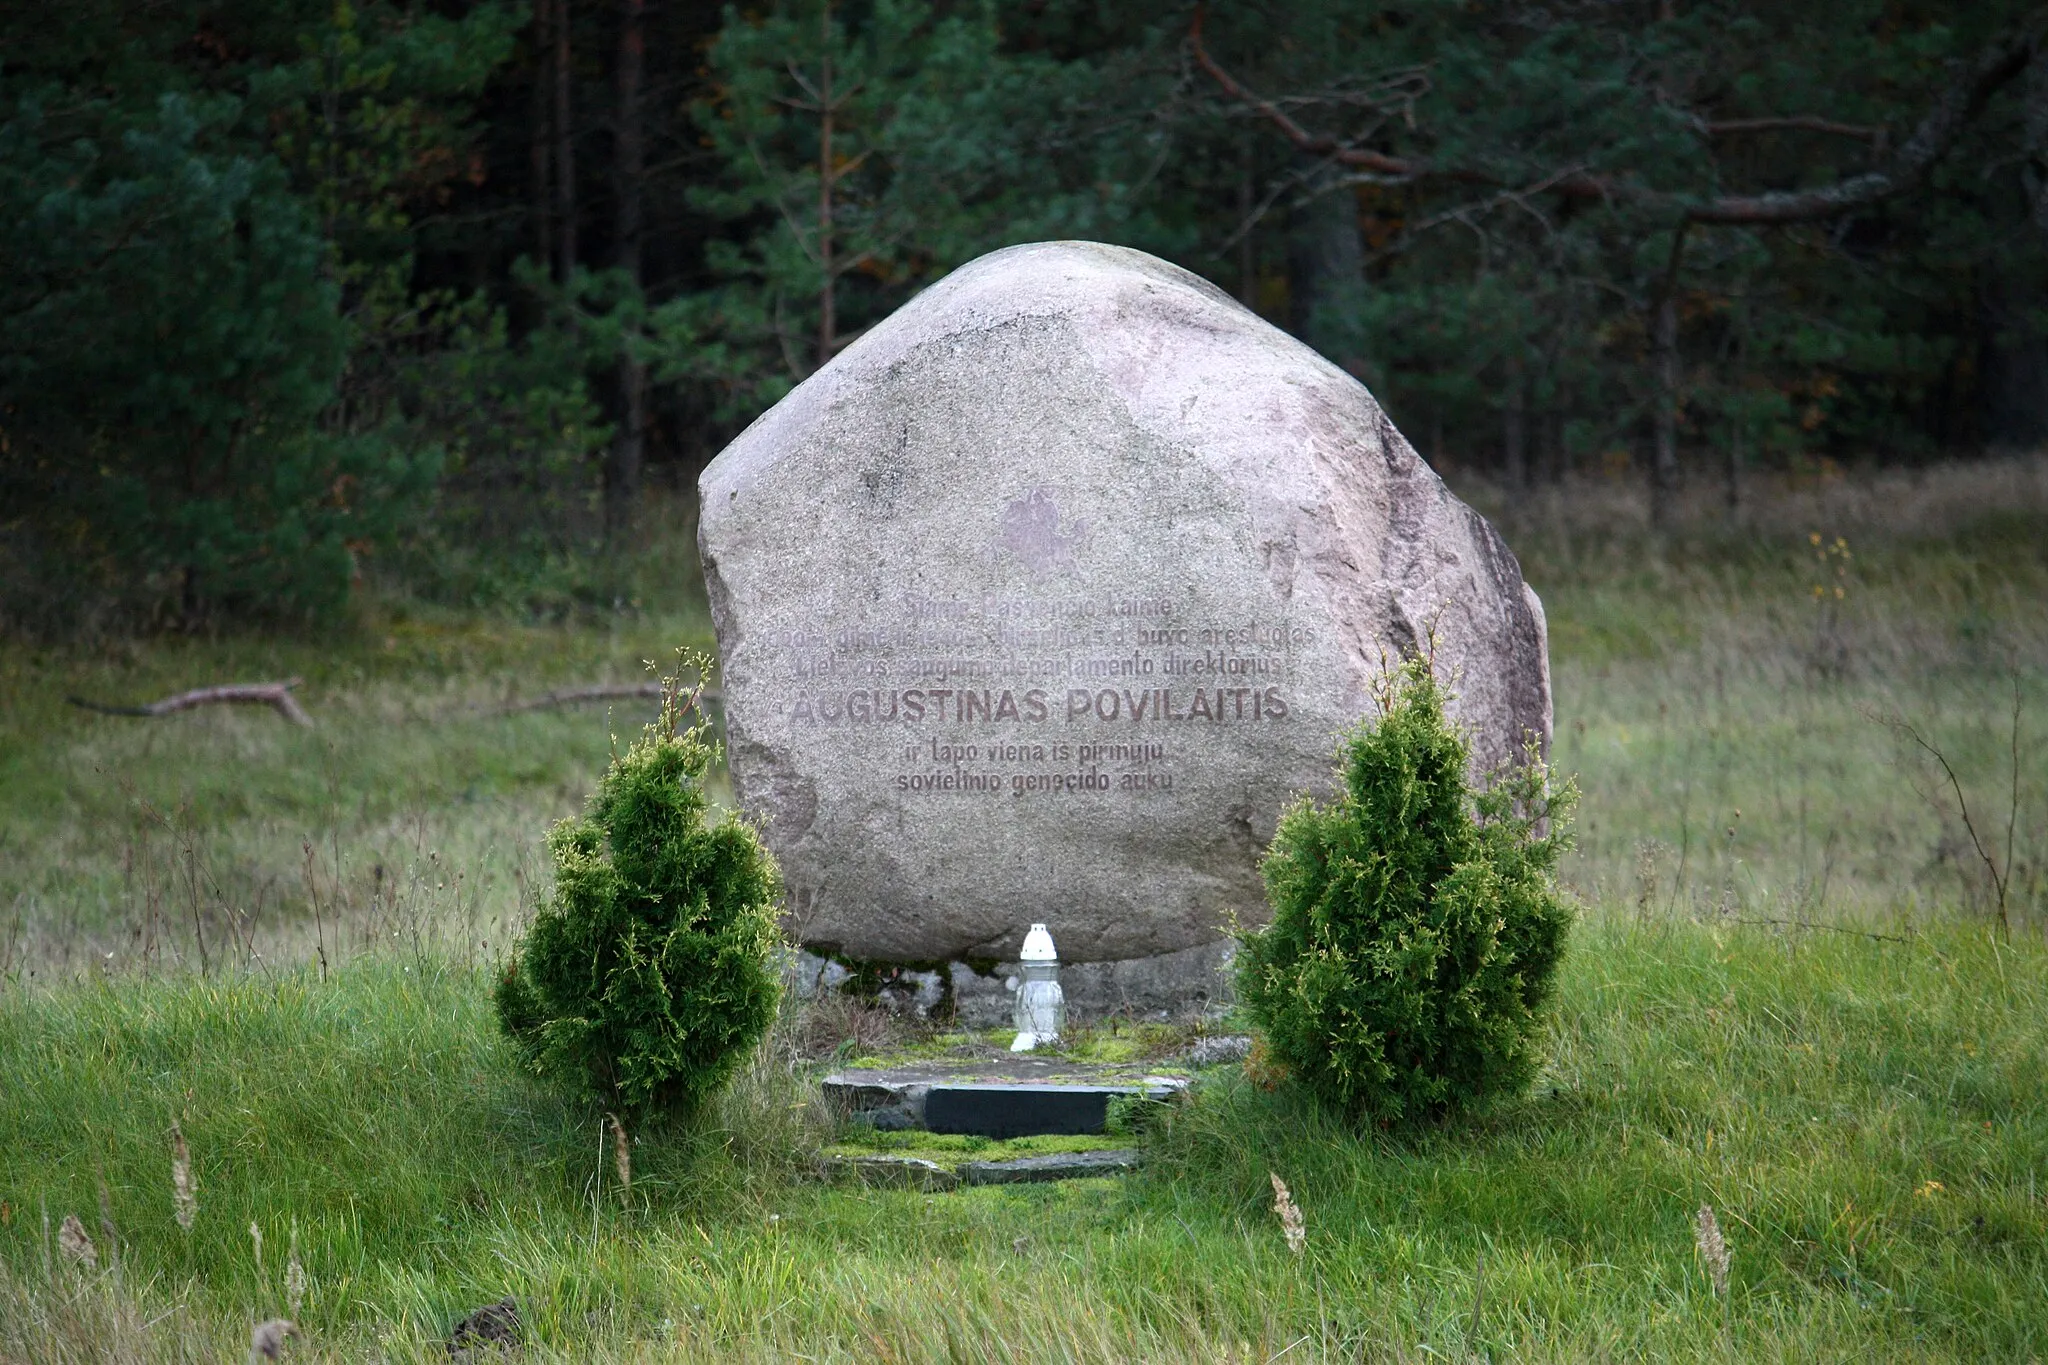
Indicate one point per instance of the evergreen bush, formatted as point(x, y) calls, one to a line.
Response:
point(1416, 924)
point(653, 969)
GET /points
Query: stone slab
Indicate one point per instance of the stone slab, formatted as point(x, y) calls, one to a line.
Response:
point(917, 1173)
point(1047, 595)
point(889, 1172)
point(1054, 1166)
point(1005, 1098)
point(1008, 1111)
point(1220, 1051)
point(1039, 1068)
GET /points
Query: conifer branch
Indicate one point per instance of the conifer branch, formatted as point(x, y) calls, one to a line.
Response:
point(1972, 86)
point(1791, 123)
point(2004, 58)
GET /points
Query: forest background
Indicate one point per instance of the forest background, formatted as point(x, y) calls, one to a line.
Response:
point(301, 297)
point(379, 345)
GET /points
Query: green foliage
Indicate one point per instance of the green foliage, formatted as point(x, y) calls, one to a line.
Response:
point(1477, 302)
point(227, 387)
point(1416, 928)
point(654, 970)
point(1780, 1079)
point(944, 142)
point(519, 429)
point(377, 123)
point(169, 339)
point(315, 292)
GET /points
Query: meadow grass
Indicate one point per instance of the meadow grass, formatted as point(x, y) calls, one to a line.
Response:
point(1867, 1117)
point(1729, 696)
point(1729, 729)
point(414, 806)
point(1787, 1001)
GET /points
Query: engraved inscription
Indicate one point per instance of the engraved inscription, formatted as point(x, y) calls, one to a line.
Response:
point(1063, 694)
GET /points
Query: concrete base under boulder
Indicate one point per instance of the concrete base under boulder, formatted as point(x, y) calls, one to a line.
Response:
point(1194, 982)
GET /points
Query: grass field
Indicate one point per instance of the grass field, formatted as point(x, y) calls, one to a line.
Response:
point(415, 806)
point(1869, 1119)
point(1786, 1000)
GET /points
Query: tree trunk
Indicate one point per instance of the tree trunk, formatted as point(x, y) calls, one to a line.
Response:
point(537, 151)
point(1247, 252)
point(1514, 426)
point(1734, 489)
point(828, 285)
point(2012, 361)
point(628, 453)
point(1664, 415)
point(565, 150)
point(1325, 261)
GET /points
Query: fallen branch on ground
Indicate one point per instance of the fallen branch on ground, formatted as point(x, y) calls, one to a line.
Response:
point(571, 696)
point(1828, 928)
point(277, 695)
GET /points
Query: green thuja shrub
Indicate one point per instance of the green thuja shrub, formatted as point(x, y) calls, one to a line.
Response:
point(652, 970)
point(1416, 924)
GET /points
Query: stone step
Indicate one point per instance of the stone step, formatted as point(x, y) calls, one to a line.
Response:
point(1014, 1109)
point(917, 1173)
point(1052, 1166)
point(959, 1101)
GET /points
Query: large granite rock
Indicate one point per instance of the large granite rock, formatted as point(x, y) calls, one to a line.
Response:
point(1046, 596)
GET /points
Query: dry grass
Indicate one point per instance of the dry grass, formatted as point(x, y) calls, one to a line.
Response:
point(1697, 675)
point(1928, 502)
point(1728, 694)
point(840, 1025)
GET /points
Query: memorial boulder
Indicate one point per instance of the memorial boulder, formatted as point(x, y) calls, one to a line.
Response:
point(1044, 598)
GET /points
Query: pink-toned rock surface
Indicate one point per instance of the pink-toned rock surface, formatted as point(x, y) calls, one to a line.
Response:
point(1043, 599)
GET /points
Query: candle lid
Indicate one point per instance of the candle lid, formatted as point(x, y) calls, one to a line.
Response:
point(1038, 946)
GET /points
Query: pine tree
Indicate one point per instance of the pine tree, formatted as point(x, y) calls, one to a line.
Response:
point(170, 339)
point(866, 151)
point(1416, 927)
point(654, 968)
